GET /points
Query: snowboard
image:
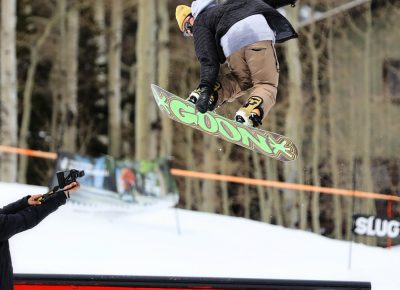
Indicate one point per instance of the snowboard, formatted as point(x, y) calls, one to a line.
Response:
point(268, 143)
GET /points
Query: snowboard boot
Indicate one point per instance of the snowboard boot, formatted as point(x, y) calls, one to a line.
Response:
point(212, 102)
point(251, 114)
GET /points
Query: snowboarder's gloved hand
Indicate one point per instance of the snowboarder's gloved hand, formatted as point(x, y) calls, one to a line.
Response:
point(194, 96)
point(203, 101)
point(212, 100)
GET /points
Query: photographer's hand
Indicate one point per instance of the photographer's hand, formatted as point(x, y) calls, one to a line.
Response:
point(35, 199)
point(71, 187)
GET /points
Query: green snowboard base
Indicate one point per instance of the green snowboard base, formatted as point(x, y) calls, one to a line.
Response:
point(268, 143)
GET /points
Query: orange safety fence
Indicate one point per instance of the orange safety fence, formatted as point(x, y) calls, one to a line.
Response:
point(232, 179)
point(284, 185)
point(28, 152)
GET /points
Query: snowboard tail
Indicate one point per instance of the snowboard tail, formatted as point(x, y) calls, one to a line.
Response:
point(268, 143)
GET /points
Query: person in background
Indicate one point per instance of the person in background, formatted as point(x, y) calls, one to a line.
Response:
point(23, 215)
point(241, 33)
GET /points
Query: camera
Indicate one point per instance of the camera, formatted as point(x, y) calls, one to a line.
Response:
point(67, 177)
point(64, 178)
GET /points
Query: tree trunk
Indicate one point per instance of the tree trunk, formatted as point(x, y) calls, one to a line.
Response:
point(57, 82)
point(274, 196)
point(265, 212)
point(246, 187)
point(114, 79)
point(189, 189)
point(101, 59)
point(368, 205)
point(163, 69)
point(337, 206)
point(145, 113)
point(314, 51)
point(8, 83)
point(209, 188)
point(99, 15)
point(224, 167)
point(294, 120)
point(72, 44)
point(27, 97)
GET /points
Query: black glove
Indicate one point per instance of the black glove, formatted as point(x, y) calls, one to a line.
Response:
point(204, 99)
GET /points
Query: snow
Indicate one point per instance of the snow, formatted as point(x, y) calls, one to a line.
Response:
point(79, 239)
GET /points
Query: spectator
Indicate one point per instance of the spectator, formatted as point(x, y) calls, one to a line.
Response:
point(22, 215)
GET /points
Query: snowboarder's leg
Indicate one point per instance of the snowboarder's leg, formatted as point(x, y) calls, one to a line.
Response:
point(257, 70)
point(264, 69)
point(241, 71)
point(230, 89)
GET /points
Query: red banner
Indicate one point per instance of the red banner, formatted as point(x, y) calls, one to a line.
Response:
point(75, 287)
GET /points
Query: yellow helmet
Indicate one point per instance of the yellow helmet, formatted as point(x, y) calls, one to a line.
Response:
point(181, 12)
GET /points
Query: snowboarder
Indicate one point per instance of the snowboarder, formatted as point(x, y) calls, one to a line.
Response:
point(22, 215)
point(241, 33)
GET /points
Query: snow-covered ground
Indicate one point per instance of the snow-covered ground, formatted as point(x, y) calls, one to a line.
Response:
point(88, 240)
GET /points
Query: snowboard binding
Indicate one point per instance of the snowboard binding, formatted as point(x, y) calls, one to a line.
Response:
point(251, 114)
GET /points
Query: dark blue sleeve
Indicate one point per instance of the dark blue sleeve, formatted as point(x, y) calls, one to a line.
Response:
point(27, 218)
point(15, 206)
point(207, 54)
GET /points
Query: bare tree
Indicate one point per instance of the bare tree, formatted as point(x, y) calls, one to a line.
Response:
point(368, 204)
point(293, 124)
point(333, 132)
point(274, 196)
point(8, 83)
point(101, 59)
point(114, 79)
point(315, 53)
point(71, 97)
point(57, 81)
point(265, 210)
point(209, 187)
point(163, 69)
point(145, 111)
point(226, 169)
point(35, 49)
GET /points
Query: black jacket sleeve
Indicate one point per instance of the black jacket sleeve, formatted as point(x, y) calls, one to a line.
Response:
point(280, 3)
point(207, 54)
point(15, 206)
point(27, 218)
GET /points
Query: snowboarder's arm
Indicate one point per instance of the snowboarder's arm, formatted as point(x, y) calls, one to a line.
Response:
point(206, 51)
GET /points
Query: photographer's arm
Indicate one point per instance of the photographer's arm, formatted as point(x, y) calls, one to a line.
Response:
point(11, 224)
point(15, 206)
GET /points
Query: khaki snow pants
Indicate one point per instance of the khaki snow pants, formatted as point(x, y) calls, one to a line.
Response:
point(252, 70)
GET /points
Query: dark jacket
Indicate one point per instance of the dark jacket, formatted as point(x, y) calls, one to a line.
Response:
point(213, 23)
point(18, 217)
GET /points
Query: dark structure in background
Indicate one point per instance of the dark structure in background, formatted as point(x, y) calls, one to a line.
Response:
point(33, 282)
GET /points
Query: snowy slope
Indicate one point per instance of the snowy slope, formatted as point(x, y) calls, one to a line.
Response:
point(89, 240)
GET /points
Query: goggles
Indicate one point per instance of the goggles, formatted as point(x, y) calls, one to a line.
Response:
point(187, 29)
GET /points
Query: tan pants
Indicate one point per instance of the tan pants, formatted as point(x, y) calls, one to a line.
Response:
point(252, 70)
